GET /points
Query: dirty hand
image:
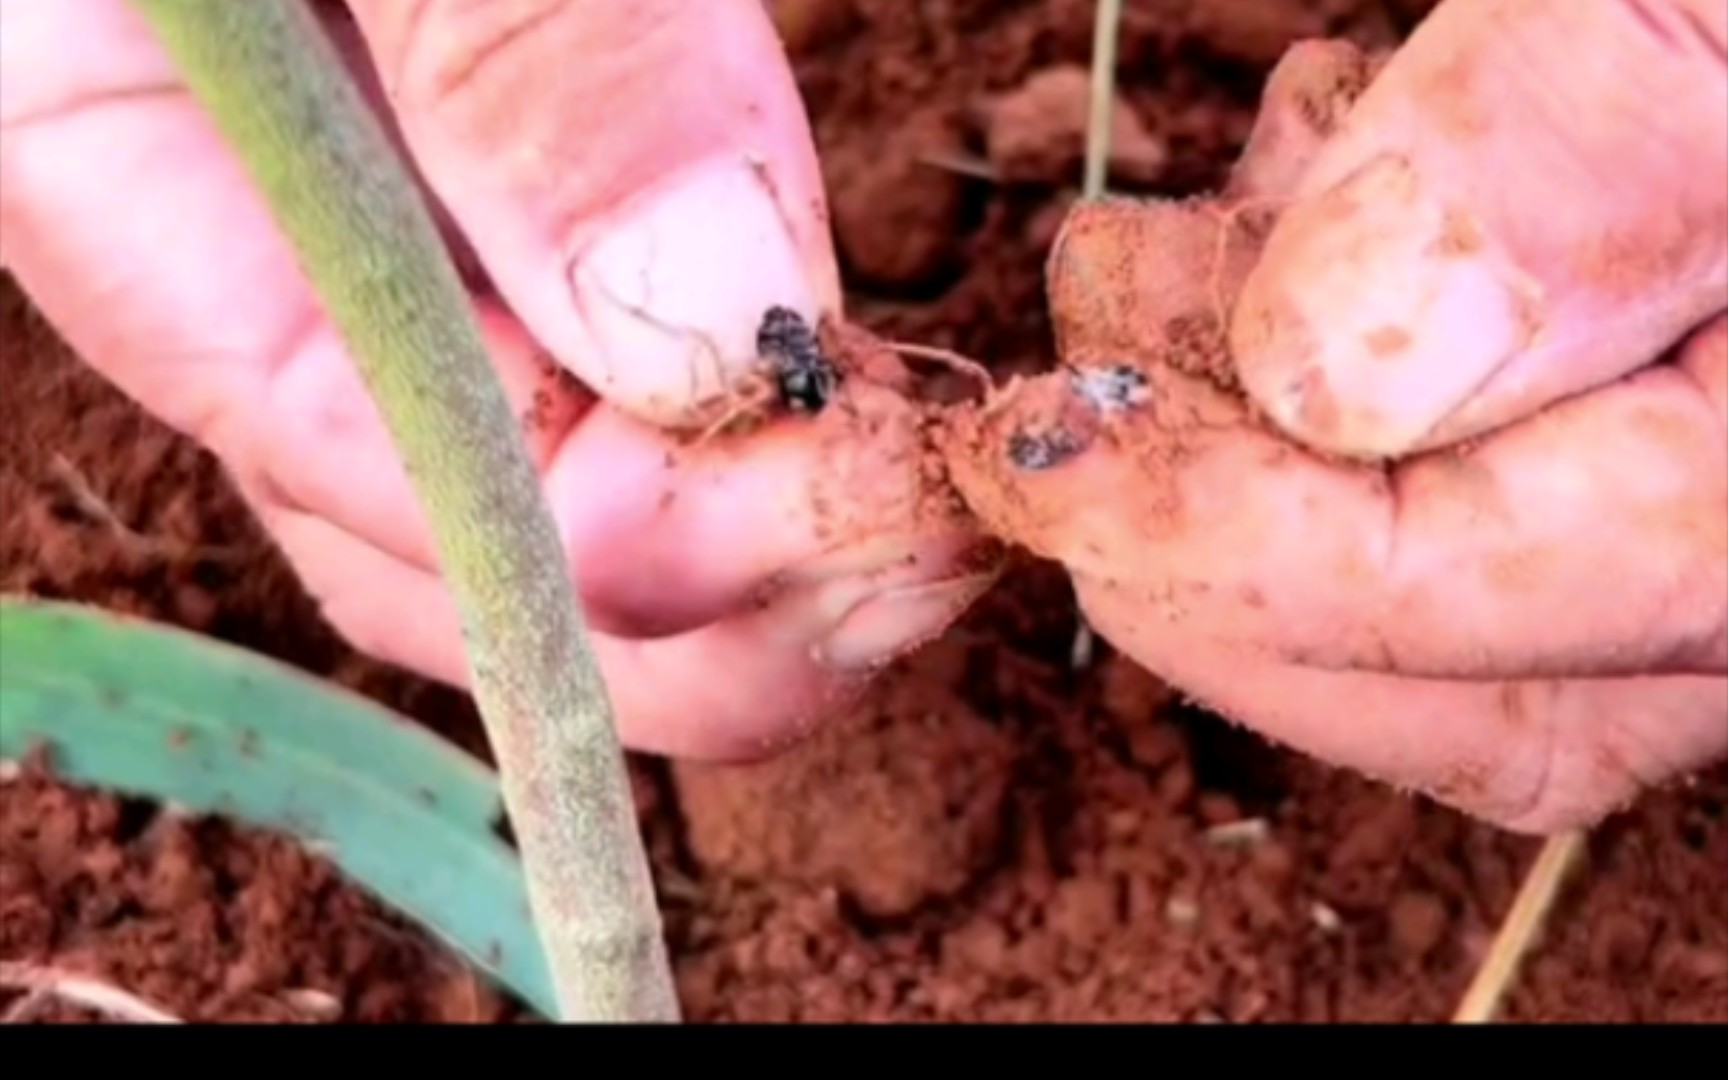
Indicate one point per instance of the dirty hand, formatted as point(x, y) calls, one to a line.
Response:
point(1490, 306)
point(637, 184)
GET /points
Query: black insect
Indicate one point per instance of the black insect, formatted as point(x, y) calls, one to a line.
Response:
point(1043, 450)
point(804, 375)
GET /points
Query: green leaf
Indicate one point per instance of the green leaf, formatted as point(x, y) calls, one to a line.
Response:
point(152, 711)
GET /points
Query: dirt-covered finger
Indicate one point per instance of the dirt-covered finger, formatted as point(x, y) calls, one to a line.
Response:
point(1500, 224)
point(1536, 755)
point(667, 535)
point(1487, 564)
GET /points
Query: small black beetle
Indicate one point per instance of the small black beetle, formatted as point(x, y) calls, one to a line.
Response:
point(805, 377)
point(1046, 450)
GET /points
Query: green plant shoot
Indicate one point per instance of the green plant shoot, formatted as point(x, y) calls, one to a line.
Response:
point(277, 89)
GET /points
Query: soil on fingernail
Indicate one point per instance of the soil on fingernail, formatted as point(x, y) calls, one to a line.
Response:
point(988, 834)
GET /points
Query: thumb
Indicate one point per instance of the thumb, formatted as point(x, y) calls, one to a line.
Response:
point(1530, 200)
point(638, 179)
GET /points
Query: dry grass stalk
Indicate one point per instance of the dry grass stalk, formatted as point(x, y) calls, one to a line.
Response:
point(1521, 928)
point(42, 985)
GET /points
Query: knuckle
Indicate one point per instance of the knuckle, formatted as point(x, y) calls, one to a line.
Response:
point(477, 69)
point(474, 57)
point(1686, 28)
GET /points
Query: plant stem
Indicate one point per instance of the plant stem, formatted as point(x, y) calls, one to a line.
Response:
point(45, 984)
point(1106, 32)
point(1106, 38)
point(278, 91)
point(1519, 931)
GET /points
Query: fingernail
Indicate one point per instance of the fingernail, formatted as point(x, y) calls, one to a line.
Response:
point(671, 294)
point(1377, 312)
point(880, 627)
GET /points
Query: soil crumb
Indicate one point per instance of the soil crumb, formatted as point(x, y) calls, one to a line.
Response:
point(994, 834)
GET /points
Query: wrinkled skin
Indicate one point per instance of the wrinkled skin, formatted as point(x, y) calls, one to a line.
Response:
point(1467, 527)
point(1529, 630)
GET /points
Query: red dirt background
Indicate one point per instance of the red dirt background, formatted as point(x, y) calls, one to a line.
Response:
point(993, 836)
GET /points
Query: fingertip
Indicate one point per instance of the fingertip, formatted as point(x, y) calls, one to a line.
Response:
point(668, 534)
point(1375, 313)
point(639, 208)
point(1493, 228)
point(752, 685)
point(661, 307)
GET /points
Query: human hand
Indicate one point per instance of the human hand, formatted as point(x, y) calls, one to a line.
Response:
point(1492, 309)
point(630, 187)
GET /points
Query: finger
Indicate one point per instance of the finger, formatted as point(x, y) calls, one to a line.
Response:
point(1305, 98)
point(666, 538)
point(345, 34)
point(1591, 541)
point(315, 441)
point(638, 179)
point(175, 284)
point(1530, 755)
point(738, 689)
point(1526, 203)
point(662, 537)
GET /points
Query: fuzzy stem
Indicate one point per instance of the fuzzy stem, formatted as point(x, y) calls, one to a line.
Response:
point(278, 91)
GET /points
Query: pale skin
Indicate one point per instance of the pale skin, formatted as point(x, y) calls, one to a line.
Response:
point(599, 161)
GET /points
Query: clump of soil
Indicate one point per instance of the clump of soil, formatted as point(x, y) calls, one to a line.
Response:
point(993, 834)
point(897, 806)
point(897, 218)
point(1037, 133)
point(204, 921)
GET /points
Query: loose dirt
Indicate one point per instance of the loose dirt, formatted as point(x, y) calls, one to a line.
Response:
point(993, 835)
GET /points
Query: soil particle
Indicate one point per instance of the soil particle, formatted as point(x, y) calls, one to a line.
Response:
point(1418, 923)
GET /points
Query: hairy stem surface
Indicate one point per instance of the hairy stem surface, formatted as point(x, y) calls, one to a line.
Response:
point(277, 89)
